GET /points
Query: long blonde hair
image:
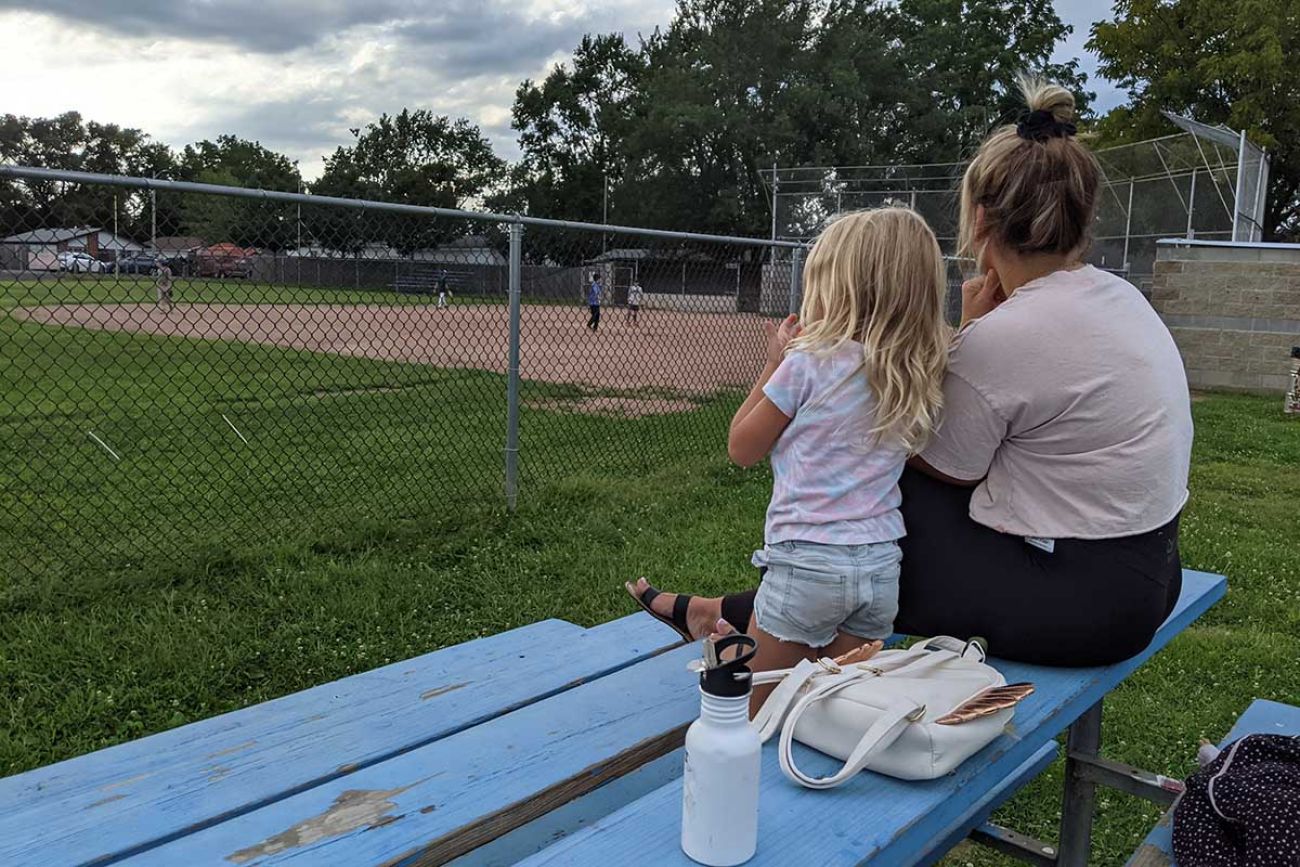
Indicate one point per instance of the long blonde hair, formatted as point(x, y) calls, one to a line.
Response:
point(878, 277)
point(1039, 194)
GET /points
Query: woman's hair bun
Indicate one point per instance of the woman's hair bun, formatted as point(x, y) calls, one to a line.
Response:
point(1043, 95)
point(1032, 186)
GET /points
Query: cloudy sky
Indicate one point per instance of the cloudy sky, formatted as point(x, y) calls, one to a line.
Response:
point(295, 74)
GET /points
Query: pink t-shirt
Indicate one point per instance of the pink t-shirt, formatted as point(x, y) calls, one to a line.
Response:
point(1070, 402)
point(831, 483)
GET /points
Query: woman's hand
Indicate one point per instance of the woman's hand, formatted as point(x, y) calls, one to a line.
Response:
point(981, 295)
point(779, 336)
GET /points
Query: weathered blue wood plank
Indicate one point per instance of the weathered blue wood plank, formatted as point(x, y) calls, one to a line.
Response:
point(120, 800)
point(875, 817)
point(1262, 717)
point(982, 808)
point(510, 849)
point(441, 800)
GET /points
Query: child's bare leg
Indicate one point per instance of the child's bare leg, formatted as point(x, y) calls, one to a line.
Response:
point(842, 644)
point(773, 653)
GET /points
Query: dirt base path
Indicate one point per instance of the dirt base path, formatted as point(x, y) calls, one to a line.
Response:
point(691, 353)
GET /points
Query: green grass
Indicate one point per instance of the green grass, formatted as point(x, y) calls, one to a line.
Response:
point(199, 573)
point(363, 524)
point(60, 288)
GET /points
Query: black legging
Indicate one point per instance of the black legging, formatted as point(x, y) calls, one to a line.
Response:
point(1090, 602)
point(594, 321)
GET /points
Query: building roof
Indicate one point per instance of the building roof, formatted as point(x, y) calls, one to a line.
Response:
point(626, 254)
point(467, 241)
point(460, 256)
point(622, 254)
point(177, 243)
point(50, 236)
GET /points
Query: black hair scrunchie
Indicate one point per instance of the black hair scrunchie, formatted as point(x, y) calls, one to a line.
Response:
point(1042, 125)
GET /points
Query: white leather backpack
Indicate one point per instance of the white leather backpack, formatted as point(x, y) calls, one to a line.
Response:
point(884, 714)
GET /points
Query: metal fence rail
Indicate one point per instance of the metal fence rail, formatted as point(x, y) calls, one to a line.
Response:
point(189, 369)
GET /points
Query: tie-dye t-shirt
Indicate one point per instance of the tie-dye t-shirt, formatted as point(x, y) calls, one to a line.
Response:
point(832, 483)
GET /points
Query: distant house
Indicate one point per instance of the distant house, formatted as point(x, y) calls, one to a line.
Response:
point(113, 247)
point(177, 245)
point(469, 250)
point(38, 250)
point(622, 255)
point(674, 271)
point(377, 250)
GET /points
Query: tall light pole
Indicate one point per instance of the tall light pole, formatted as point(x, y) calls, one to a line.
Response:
point(604, 237)
point(298, 244)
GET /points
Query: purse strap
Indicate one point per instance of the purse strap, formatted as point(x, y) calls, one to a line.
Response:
point(774, 712)
point(770, 716)
point(887, 728)
point(784, 707)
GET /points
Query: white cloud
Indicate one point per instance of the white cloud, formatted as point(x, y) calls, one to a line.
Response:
point(334, 66)
point(297, 74)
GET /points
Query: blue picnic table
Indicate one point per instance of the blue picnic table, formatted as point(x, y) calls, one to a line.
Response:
point(550, 744)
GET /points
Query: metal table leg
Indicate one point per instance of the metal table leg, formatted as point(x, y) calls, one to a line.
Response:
point(1083, 743)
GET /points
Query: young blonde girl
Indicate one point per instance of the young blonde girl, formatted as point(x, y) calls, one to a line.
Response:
point(850, 389)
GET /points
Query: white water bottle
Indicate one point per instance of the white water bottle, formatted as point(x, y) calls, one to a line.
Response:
point(723, 753)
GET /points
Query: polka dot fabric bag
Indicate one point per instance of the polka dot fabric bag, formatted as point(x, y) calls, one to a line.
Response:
point(1243, 808)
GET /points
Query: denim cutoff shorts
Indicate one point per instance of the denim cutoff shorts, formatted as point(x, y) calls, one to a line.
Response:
point(811, 591)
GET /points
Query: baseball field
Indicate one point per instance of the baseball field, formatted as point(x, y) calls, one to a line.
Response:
point(272, 487)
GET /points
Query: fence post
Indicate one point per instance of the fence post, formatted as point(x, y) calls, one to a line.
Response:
point(796, 278)
point(1128, 225)
point(512, 374)
point(1240, 188)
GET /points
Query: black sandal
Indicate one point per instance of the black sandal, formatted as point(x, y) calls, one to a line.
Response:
point(677, 622)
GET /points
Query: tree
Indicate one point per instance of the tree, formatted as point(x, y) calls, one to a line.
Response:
point(1223, 63)
point(235, 162)
point(716, 107)
point(572, 127)
point(71, 143)
point(963, 58)
point(853, 101)
point(414, 158)
point(686, 125)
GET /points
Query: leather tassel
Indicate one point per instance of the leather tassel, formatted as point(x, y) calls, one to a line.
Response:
point(860, 654)
point(986, 703)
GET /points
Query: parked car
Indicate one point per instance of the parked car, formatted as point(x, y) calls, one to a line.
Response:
point(223, 260)
point(180, 264)
point(139, 263)
point(78, 262)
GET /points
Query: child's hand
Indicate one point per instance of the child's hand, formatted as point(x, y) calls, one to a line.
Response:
point(779, 336)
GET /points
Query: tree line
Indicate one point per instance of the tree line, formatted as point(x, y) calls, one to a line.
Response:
point(676, 129)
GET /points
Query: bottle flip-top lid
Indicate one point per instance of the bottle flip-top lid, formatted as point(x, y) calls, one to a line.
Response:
point(729, 678)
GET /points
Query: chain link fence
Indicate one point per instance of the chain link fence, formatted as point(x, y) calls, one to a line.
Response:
point(189, 371)
point(1207, 183)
